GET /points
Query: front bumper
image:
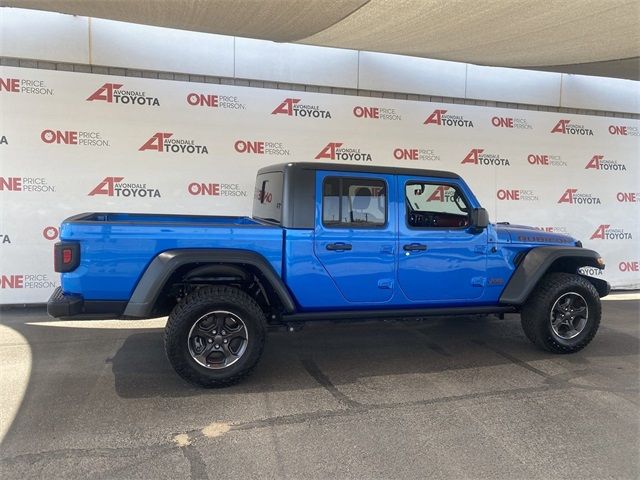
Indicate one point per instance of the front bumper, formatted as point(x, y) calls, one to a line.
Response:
point(71, 305)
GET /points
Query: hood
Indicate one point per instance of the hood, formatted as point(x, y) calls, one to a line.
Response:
point(523, 234)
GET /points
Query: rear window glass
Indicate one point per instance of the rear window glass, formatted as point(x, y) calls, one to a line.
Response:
point(267, 201)
point(353, 202)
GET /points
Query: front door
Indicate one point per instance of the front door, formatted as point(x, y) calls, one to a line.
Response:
point(355, 235)
point(441, 259)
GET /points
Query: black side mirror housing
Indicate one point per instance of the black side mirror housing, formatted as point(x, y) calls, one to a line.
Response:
point(479, 218)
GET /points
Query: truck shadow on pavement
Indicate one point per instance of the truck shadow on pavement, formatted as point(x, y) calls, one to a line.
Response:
point(76, 371)
point(331, 356)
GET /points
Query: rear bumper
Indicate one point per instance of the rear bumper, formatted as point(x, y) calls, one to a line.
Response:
point(69, 305)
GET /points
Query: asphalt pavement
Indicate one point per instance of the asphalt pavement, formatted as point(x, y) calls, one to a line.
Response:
point(437, 398)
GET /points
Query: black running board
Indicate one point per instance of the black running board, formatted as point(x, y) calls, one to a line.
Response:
point(397, 313)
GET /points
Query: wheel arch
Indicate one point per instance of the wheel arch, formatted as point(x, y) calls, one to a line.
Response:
point(542, 260)
point(204, 266)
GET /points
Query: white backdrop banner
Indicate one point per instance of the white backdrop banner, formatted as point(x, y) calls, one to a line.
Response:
point(72, 142)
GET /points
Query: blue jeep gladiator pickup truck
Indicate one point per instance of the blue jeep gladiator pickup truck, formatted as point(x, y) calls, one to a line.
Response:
point(325, 242)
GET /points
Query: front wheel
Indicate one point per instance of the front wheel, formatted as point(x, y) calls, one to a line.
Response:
point(562, 314)
point(215, 337)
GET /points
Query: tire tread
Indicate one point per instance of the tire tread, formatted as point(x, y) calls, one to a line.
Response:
point(183, 313)
point(535, 311)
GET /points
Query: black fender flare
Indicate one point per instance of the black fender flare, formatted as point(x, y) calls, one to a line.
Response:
point(161, 268)
point(537, 262)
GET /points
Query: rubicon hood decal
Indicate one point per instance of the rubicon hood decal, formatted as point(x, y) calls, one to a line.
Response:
point(525, 234)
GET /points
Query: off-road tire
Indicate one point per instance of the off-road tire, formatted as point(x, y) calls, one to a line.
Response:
point(186, 313)
point(536, 312)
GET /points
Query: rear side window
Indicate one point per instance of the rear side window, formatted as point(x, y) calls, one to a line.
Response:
point(267, 200)
point(354, 202)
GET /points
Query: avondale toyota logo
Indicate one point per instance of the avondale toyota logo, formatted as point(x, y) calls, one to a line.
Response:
point(568, 128)
point(114, 187)
point(440, 117)
point(598, 162)
point(335, 151)
point(293, 108)
point(163, 142)
point(605, 232)
point(113, 93)
point(442, 193)
point(477, 156)
point(572, 196)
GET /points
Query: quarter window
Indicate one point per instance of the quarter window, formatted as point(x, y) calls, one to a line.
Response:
point(267, 200)
point(354, 202)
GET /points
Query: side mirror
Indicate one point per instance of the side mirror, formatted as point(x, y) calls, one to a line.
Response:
point(479, 218)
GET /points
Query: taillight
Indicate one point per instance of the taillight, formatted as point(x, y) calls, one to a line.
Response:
point(66, 256)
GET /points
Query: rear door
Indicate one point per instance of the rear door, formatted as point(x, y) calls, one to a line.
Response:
point(355, 236)
point(440, 257)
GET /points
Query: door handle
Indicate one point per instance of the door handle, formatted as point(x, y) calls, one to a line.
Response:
point(414, 247)
point(339, 246)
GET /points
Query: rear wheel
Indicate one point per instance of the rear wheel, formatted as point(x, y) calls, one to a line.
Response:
point(562, 314)
point(215, 337)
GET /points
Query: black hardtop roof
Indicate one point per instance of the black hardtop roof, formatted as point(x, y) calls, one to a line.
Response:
point(349, 167)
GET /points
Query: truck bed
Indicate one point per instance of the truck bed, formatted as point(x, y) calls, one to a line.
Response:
point(116, 248)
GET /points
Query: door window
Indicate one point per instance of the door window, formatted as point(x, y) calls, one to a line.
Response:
point(432, 205)
point(354, 202)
